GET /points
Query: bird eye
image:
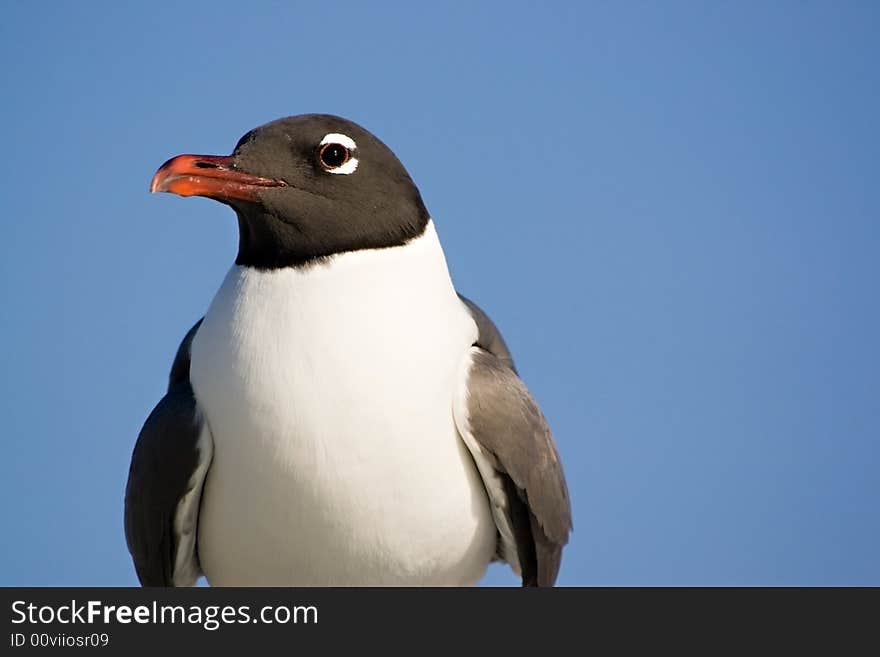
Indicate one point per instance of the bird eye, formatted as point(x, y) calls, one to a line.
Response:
point(336, 153)
point(333, 156)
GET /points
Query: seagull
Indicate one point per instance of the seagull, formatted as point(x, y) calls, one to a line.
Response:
point(340, 416)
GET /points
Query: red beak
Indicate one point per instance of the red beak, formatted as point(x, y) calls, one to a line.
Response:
point(212, 176)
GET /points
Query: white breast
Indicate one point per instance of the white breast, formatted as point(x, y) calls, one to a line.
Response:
point(329, 393)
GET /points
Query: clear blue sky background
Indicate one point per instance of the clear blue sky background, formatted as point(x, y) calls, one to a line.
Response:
point(671, 209)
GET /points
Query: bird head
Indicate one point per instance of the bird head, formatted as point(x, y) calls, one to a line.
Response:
point(304, 188)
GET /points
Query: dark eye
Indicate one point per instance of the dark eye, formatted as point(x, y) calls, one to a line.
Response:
point(333, 156)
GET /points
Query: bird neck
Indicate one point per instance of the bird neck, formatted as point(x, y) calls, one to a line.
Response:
point(268, 242)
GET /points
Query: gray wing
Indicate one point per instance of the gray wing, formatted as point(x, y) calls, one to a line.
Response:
point(164, 490)
point(516, 457)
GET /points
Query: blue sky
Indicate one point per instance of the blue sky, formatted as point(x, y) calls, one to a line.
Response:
point(670, 209)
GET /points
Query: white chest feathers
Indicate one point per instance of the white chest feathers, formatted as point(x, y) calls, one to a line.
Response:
point(328, 393)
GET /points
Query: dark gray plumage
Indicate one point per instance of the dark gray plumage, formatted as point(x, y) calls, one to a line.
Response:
point(316, 215)
point(161, 478)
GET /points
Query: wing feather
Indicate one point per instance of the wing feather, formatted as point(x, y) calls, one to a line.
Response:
point(515, 453)
point(163, 494)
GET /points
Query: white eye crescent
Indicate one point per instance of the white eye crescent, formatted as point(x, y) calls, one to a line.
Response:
point(336, 153)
